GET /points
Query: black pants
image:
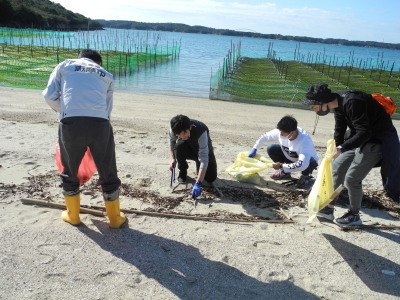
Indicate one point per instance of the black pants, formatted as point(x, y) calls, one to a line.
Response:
point(74, 136)
point(276, 154)
point(183, 152)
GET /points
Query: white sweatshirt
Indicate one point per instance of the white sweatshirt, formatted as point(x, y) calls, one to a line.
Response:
point(80, 87)
point(299, 151)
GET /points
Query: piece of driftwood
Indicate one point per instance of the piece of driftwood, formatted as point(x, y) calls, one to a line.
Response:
point(62, 206)
point(99, 211)
point(285, 214)
point(365, 227)
point(191, 217)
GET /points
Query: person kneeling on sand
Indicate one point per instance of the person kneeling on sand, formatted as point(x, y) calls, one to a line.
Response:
point(190, 140)
point(294, 153)
point(81, 91)
point(371, 140)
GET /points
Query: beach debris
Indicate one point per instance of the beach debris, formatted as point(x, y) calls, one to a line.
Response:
point(290, 182)
point(59, 205)
point(215, 216)
point(43, 187)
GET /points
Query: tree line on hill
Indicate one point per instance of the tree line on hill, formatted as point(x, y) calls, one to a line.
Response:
point(45, 14)
point(178, 27)
point(42, 14)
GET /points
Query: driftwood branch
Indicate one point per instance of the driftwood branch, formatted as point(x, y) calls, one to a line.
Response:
point(365, 227)
point(62, 206)
point(99, 211)
point(191, 217)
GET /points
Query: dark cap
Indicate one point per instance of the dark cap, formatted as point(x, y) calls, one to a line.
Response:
point(318, 94)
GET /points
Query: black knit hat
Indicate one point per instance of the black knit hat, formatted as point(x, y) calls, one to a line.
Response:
point(318, 94)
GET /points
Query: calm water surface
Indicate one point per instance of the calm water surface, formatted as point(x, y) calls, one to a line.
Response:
point(202, 54)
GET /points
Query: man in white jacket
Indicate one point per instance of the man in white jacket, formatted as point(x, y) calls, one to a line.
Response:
point(81, 92)
point(294, 153)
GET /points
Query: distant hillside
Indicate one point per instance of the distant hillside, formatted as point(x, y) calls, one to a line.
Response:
point(42, 14)
point(177, 27)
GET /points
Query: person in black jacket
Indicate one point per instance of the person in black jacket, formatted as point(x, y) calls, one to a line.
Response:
point(190, 140)
point(365, 138)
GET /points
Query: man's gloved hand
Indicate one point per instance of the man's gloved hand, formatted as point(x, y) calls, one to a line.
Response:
point(196, 191)
point(252, 152)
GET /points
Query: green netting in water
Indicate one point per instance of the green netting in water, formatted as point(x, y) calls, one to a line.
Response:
point(30, 66)
point(284, 83)
point(7, 33)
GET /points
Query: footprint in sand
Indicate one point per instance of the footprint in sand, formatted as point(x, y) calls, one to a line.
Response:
point(279, 275)
point(274, 249)
point(270, 276)
point(200, 230)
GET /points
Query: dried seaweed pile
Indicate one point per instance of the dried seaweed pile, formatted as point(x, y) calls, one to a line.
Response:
point(151, 197)
point(39, 187)
point(263, 199)
point(212, 215)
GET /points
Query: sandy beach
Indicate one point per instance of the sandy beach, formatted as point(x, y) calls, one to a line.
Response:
point(155, 257)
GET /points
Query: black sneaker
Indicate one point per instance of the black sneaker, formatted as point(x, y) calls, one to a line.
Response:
point(182, 177)
point(304, 182)
point(326, 213)
point(348, 219)
point(181, 180)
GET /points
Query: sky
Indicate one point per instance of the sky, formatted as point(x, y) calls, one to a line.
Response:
point(357, 20)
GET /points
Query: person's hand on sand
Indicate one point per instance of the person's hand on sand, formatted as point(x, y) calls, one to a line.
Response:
point(196, 191)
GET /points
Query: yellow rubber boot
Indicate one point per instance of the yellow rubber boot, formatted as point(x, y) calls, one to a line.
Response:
point(71, 215)
point(116, 217)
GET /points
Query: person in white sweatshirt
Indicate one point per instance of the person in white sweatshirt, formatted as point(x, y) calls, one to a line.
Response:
point(81, 92)
point(294, 153)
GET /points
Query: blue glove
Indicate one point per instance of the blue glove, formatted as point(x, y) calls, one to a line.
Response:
point(196, 191)
point(252, 152)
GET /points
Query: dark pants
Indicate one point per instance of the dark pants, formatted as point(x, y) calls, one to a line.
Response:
point(75, 135)
point(183, 152)
point(276, 154)
point(351, 167)
point(390, 164)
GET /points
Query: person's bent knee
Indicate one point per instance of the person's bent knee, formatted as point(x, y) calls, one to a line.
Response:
point(350, 182)
point(273, 147)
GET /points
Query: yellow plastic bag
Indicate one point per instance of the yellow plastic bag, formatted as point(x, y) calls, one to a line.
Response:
point(322, 190)
point(245, 168)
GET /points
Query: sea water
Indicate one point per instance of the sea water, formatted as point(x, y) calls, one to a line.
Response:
point(202, 54)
